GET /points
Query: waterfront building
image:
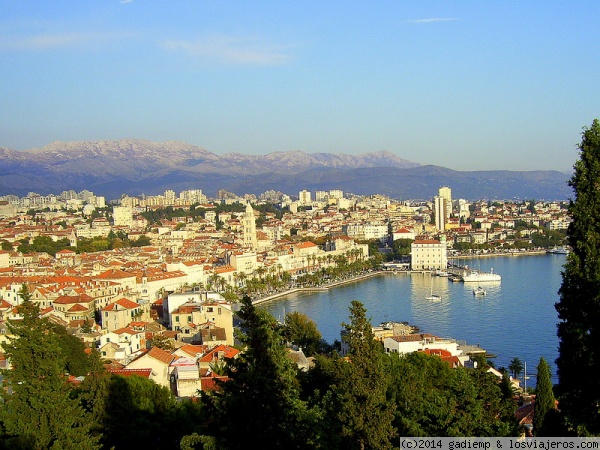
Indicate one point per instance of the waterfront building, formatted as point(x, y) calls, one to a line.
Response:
point(429, 254)
point(243, 262)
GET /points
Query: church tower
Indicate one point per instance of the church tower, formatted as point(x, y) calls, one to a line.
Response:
point(250, 228)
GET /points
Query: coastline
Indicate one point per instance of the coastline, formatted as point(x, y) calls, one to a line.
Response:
point(491, 255)
point(324, 287)
point(366, 276)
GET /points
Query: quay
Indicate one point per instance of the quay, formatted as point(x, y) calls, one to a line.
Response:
point(322, 288)
point(454, 274)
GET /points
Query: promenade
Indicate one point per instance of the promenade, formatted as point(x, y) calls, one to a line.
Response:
point(328, 286)
point(321, 288)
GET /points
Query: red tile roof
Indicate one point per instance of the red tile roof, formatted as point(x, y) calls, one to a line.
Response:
point(120, 304)
point(128, 372)
point(161, 355)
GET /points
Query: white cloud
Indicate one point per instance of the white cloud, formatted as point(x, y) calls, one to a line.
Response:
point(433, 19)
point(231, 50)
point(52, 41)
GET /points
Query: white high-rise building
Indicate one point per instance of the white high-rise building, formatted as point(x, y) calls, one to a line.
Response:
point(304, 197)
point(446, 193)
point(439, 209)
point(336, 193)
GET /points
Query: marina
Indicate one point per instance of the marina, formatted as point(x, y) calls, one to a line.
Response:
point(516, 317)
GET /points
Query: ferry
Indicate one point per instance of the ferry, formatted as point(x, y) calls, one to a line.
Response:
point(558, 250)
point(476, 276)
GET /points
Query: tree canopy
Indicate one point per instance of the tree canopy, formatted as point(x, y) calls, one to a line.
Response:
point(578, 308)
point(38, 409)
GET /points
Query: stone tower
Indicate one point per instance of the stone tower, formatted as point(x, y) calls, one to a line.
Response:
point(250, 228)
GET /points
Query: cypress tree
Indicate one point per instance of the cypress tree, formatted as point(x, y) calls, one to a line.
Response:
point(578, 308)
point(544, 397)
point(361, 411)
point(260, 402)
point(38, 410)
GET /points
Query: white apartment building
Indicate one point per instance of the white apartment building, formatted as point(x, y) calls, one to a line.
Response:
point(122, 216)
point(420, 342)
point(243, 262)
point(304, 197)
point(440, 211)
point(365, 231)
point(429, 254)
point(446, 193)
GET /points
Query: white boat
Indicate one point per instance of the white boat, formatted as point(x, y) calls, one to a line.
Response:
point(558, 251)
point(432, 296)
point(479, 291)
point(476, 276)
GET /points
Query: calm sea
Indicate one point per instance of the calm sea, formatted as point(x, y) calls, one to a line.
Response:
point(515, 319)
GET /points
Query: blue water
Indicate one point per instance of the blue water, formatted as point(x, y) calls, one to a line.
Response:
point(516, 318)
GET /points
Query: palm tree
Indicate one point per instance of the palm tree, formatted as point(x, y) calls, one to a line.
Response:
point(516, 367)
point(261, 270)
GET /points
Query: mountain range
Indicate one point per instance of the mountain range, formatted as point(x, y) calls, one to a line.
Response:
point(135, 166)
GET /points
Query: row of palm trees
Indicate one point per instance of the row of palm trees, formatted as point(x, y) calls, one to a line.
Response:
point(317, 270)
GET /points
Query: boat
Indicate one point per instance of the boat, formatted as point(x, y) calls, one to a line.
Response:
point(441, 273)
point(558, 250)
point(479, 291)
point(432, 296)
point(477, 276)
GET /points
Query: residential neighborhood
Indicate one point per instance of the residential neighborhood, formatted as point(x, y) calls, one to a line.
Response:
point(152, 282)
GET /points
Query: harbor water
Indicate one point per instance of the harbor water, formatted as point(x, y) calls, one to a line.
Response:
point(516, 317)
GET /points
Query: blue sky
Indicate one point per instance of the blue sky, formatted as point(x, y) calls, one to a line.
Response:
point(469, 85)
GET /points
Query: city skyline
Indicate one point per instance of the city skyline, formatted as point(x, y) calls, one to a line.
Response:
point(465, 85)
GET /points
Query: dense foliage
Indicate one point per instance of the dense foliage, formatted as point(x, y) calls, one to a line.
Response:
point(45, 244)
point(261, 399)
point(365, 399)
point(37, 410)
point(579, 305)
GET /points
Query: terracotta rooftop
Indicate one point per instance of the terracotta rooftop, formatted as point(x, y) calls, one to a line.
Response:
point(161, 355)
point(128, 372)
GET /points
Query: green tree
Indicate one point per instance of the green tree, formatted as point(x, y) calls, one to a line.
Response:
point(516, 367)
point(578, 307)
point(163, 342)
point(261, 398)
point(302, 331)
point(361, 413)
point(136, 414)
point(38, 409)
point(544, 398)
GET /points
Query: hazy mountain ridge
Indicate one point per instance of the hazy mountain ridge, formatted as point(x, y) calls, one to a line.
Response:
point(136, 166)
